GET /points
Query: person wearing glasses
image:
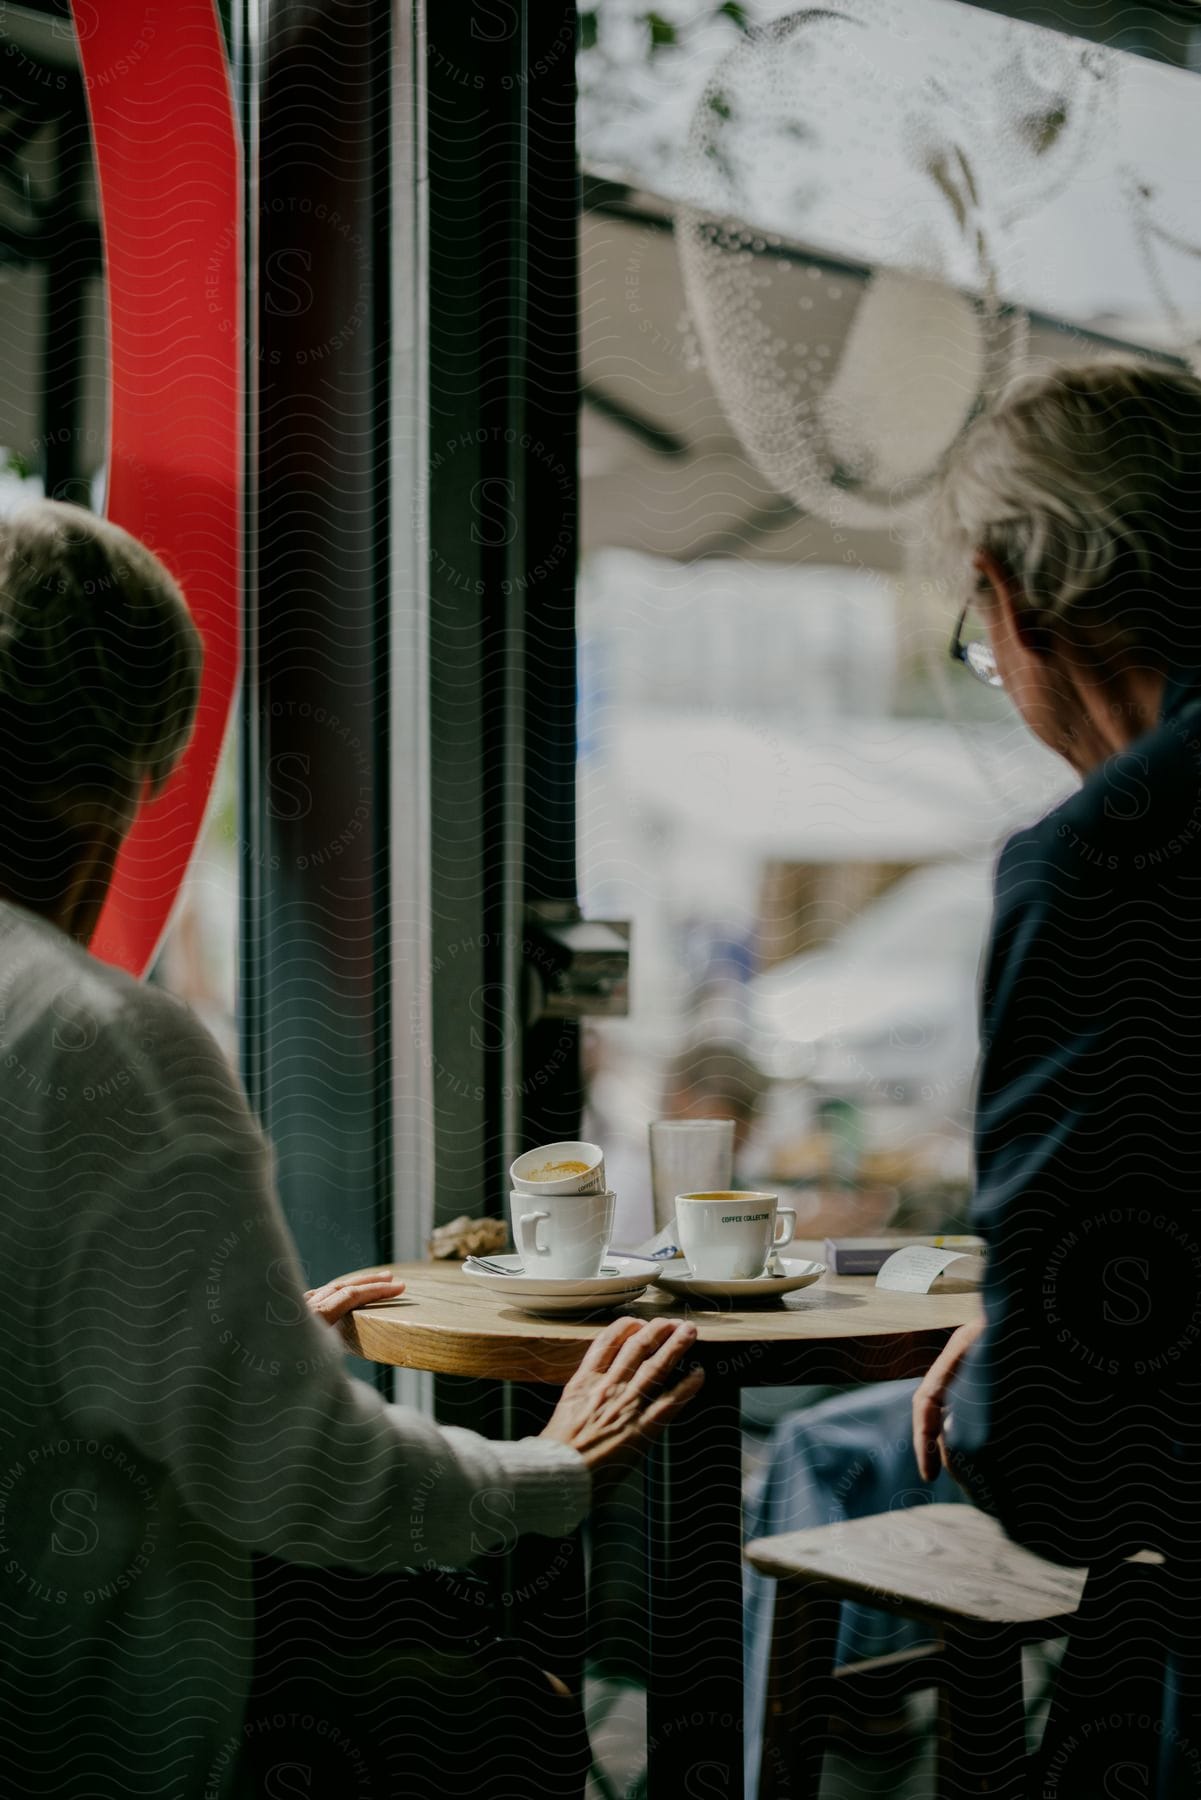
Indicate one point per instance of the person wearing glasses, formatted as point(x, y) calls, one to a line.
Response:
point(1073, 1411)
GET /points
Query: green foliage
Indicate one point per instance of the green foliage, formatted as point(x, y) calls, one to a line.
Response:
point(663, 32)
point(1043, 130)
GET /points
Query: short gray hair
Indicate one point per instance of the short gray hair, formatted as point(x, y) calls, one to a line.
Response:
point(100, 659)
point(1085, 484)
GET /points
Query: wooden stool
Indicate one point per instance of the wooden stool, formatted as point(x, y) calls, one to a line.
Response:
point(950, 1567)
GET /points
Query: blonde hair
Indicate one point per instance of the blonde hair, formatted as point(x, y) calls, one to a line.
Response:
point(100, 659)
point(1085, 484)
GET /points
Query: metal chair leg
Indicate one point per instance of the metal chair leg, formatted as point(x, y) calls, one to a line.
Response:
point(1104, 1729)
point(983, 1719)
point(797, 1721)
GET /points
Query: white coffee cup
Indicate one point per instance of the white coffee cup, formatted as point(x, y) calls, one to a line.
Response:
point(563, 1236)
point(565, 1168)
point(728, 1236)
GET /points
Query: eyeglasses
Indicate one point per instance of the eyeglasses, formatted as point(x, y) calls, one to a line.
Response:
point(975, 654)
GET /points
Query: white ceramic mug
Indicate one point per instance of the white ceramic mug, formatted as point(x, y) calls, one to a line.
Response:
point(728, 1236)
point(563, 1236)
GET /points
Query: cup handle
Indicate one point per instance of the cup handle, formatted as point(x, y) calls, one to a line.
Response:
point(527, 1232)
point(787, 1218)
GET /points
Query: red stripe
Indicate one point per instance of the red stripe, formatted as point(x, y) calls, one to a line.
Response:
point(166, 148)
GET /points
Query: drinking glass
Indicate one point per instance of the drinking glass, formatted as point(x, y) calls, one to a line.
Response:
point(688, 1156)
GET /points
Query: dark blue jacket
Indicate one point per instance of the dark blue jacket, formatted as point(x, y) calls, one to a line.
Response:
point(1078, 1413)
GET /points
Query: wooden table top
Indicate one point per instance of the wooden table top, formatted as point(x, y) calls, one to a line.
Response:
point(843, 1328)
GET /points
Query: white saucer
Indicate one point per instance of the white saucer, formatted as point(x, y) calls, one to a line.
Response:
point(579, 1306)
point(621, 1277)
point(755, 1288)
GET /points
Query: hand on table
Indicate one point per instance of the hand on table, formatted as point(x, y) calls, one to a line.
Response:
point(929, 1403)
point(625, 1391)
point(342, 1295)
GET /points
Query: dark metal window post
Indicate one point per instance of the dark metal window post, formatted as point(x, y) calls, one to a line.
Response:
point(409, 714)
point(316, 1012)
point(503, 391)
point(503, 396)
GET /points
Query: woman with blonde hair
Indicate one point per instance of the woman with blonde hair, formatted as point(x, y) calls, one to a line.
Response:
point(1070, 524)
point(1073, 1412)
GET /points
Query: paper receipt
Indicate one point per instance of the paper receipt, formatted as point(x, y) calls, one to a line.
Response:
point(916, 1268)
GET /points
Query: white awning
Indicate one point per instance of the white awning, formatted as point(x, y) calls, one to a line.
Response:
point(847, 790)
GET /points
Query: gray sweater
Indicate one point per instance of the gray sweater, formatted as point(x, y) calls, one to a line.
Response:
point(168, 1405)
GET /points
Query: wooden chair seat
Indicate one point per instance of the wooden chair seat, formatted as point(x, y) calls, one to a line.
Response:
point(928, 1563)
point(950, 1567)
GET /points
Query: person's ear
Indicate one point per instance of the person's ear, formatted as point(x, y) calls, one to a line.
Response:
point(1018, 621)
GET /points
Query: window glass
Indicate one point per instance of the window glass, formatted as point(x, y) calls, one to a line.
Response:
point(813, 244)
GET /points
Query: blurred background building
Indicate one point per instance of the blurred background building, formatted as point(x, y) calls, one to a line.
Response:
point(795, 222)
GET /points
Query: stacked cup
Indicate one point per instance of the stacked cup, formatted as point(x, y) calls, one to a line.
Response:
point(562, 1211)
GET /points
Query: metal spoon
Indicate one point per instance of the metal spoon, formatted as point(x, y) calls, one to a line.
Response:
point(495, 1268)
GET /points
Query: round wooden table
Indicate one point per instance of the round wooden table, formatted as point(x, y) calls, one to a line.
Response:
point(841, 1330)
